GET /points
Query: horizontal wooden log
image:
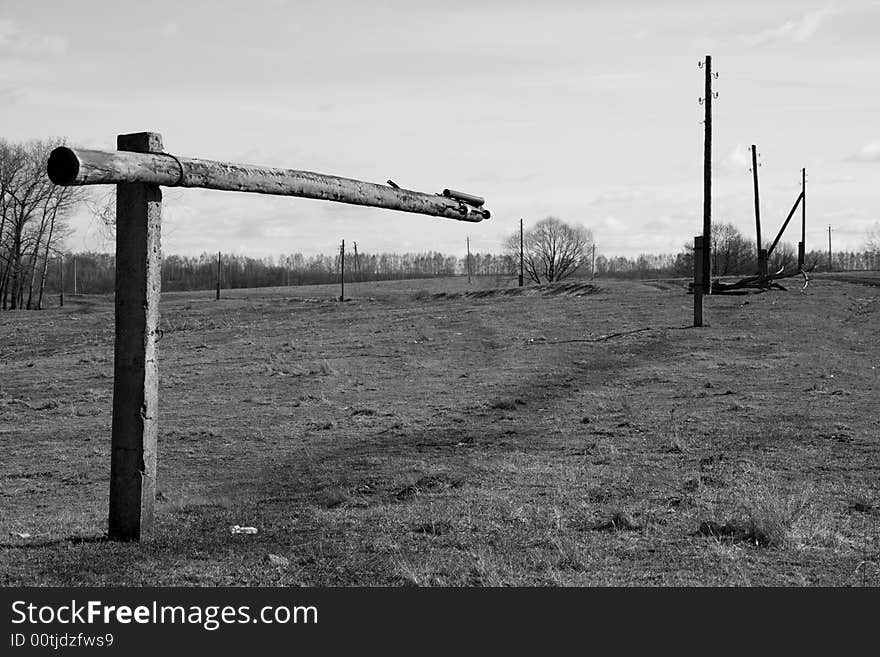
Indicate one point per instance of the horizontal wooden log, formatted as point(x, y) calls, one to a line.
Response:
point(69, 166)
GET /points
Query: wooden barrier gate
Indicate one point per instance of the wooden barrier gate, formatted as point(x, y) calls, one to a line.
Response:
point(138, 168)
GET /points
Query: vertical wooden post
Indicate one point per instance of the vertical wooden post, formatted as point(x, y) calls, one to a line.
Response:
point(74, 274)
point(342, 271)
point(218, 274)
point(762, 253)
point(593, 263)
point(61, 281)
point(357, 264)
point(830, 262)
point(707, 182)
point(802, 246)
point(136, 383)
point(699, 257)
point(469, 258)
point(521, 256)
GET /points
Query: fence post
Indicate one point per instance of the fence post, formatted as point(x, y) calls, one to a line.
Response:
point(135, 383)
point(218, 276)
point(699, 281)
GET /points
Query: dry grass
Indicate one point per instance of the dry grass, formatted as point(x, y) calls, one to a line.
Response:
point(403, 438)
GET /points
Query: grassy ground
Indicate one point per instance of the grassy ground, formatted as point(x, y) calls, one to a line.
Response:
point(435, 433)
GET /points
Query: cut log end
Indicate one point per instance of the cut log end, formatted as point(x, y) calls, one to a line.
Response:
point(63, 166)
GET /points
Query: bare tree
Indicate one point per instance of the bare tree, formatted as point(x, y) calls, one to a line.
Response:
point(31, 215)
point(552, 249)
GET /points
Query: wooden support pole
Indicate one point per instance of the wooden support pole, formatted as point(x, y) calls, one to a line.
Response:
point(521, 254)
point(830, 260)
point(784, 224)
point(802, 246)
point(469, 258)
point(699, 271)
point(342, 271)
point(67, 166)
point(707, 180)
point(762, 254)
point(74, 275)
point(593, 263)
point(61, 281)
point(136, 383)
point(218, 274)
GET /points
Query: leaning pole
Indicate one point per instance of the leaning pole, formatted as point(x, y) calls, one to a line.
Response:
point(139, 168)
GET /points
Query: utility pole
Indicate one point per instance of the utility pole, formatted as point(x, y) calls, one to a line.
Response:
point(521, 257)
point(342, 271)
point(357, 265)
point(802, 247)
point(469, 258)
point(707, 181)
point(593, 263)
point(74, 274)
point(218, 275)
point(61, 282)
point(762, 253)
point(829, 248)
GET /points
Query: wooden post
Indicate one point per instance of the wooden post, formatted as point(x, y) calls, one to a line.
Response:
point(707, 181)
point(521, 255)
point(357, 265)
point(830, 262)
point(74, 274)
point(135, 385)
point(699, 257)
point(593, 263)
point(762, 254)
point(802, 246)
point(61, 281)
point(342, 271)
point(469, 258)
point(218, 275)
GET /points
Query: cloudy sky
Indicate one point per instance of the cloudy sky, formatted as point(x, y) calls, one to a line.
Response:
point(583, 110)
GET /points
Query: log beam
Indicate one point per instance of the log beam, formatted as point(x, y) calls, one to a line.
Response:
point(69, 166)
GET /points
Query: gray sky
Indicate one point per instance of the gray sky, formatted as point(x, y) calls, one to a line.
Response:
point(582, 110)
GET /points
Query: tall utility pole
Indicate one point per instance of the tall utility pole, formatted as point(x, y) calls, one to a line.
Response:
point(707, 181)
point(357, 264)
point(829, 248)
point(802, 247)
point(469, 258)
point(521, 257)
point(74, 274)
point(218, 275)
point(762, 254)
point(342, 271)
point(61, 277)
point(593, 263)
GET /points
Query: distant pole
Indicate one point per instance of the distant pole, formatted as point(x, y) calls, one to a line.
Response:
point(218, 275)
point(469, 258)
point(593, 263)
point(829, 248)
point(357, 265)
point(342, 271)
point(521, 256)
point(61, 282)
point(707, 180)
point(757, 199)
point(74, 274)
point(699, 257)
point(802, 247)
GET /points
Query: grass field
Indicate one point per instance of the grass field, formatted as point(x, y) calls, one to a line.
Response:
point(435, 433)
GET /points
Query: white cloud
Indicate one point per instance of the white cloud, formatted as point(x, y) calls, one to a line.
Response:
point(796, 31)
point(868, 153)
